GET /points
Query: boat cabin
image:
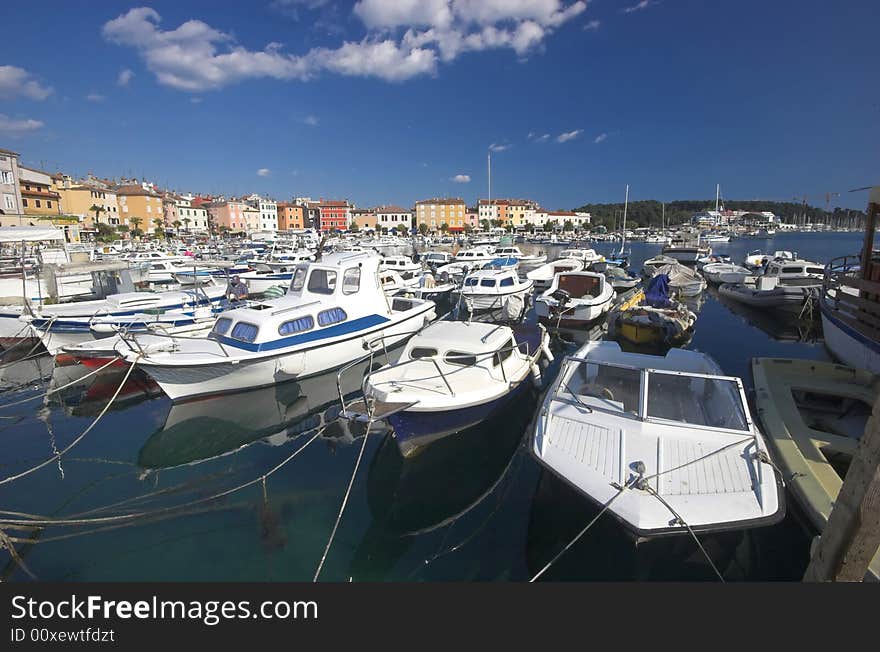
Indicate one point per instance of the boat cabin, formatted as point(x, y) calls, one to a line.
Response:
point(580, 285)
point(331, 295)
point(488, 281)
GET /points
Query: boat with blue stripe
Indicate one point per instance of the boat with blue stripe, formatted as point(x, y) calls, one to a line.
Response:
point(334, 312)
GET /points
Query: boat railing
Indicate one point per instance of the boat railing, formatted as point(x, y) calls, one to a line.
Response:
point(854, 299)
point(440, 373)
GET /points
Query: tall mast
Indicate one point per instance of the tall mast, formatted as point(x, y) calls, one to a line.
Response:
point(489, 165)
point(625, 202)
point(717, 195)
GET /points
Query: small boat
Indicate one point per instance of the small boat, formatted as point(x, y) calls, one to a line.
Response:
point(476, 257)
point(403, 265)
point(755, 259)
point(653, 264)
point(814, 414)
point(666, 444)
point(685, 249)
point(67, 324)
point(435, 259)
point(506, 262)
point(525, 260)
point(686, 281)
point(543, 275)
point(767, 292)
point(725, 273)
point(334, 312)
point(263, 277)
point(587, 256)
point(451, 376)
point(575, 299)
point(619, 279)
point(490, 289)
point(651, 318)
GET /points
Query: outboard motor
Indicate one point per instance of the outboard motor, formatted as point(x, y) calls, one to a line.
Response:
point(562, 297)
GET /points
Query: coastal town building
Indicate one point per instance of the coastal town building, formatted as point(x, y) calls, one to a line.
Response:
point(438, 211)
point(391, 217)
point(11, 213)
point(91, 200)
point(334, 214)
point(290, 216)
point(139, 205)
point(365, 218)
point(233, 215)
point(268, 209)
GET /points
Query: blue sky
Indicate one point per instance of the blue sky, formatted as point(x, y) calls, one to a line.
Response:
point(390, 101)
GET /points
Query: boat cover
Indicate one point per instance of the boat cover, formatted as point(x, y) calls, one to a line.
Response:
point(657, 295)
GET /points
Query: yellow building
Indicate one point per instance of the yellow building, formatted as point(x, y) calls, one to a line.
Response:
point(434, 212)
point(139, 203)
point(78, 198)
point(37, 195)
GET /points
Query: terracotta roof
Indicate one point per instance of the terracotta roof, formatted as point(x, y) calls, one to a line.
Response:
point(8, 151)
point(135, 190)
point(392, 209)
point(332, 203)
point(438, 200)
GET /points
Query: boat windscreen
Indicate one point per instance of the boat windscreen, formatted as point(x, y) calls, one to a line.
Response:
point(711, 402)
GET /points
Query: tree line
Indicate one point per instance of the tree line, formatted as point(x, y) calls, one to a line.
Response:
point(649, 213)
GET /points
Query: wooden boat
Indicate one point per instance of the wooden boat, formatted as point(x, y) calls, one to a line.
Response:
point(659, 441)
point(813, 414)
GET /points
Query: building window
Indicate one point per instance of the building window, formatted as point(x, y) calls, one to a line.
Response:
point(9, 202)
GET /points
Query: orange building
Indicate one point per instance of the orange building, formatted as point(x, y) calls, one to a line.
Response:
point(290, 216)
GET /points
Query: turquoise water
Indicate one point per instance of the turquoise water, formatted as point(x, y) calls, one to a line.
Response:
point(473, 506)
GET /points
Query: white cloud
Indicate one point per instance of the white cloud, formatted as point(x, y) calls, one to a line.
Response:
point(263, 172)
point(461, 178)
point(592, 26)
point(95, 97)
point(410, 13)
point(311, 120)
point(499, 147)
point(195, 100)
point(569, 135)
point(643, 4)
point(16, 82)
point(12, 127)
point(600, 137)
point(125, 76)
point(196, 57)
point(538, 138)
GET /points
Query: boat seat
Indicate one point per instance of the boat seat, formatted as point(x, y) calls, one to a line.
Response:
point(579, 286)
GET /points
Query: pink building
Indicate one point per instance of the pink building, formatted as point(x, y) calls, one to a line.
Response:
point(235, 215)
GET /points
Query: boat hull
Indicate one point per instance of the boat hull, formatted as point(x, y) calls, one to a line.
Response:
point(414, 429)
point(848, 345)
point(181, 382)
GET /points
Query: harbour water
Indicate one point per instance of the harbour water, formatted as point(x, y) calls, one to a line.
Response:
point(173, 493)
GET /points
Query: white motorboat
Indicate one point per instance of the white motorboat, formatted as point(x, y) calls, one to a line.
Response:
point(476, 257)
point(67, 324)
point(666, 444)
point(543, 275)
point(575, 299)
point(586, 256)
point(263, 277)
point(334, 312)
point(453, 375)
point(525, 260)
point(725, 273)
point(490, 289)
point(435, 259)
point(796, 271)
point(686, 248)
point(403, 265)
point(755, 259)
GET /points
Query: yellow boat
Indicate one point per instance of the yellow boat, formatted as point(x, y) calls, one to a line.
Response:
point(813, 414)
point(644, 325)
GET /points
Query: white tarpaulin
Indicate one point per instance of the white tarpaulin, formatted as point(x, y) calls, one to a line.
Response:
point(30, 233)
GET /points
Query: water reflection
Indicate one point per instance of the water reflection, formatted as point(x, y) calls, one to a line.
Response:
point(451, 480)
point(780, 325)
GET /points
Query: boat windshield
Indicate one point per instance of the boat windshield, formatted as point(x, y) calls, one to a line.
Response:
point(696, 399)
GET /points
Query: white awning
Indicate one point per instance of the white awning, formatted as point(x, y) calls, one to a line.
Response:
point(30, 233)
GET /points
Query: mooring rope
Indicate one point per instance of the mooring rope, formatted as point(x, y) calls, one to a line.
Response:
point(581, 533)
point(58, 389)
point(81, 436)
point(41, 520)
point(344, 501)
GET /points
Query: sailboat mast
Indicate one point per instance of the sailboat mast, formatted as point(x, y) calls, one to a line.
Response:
point(625, 203)
point(717, 195)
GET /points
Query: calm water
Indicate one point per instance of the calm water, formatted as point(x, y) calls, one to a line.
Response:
point(473, 506)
